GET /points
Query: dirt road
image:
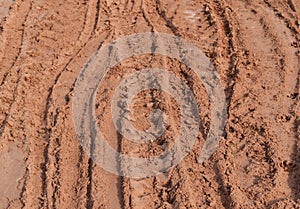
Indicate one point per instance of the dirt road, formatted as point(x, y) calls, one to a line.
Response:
point(255, 48)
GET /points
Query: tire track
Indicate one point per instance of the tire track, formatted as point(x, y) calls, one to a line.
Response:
point(268, 148)
point(293, 179)
point(139, 191)
point(66, 79)
point(255, 48)
point(290, 25)
point(17, 72)
point(20, 50)
point(53, 200)
point(222, 15)
point(49, 113)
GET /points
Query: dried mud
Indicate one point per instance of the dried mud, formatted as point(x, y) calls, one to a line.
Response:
point(255, 48)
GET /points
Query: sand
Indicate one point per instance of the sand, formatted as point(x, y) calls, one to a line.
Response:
point(255, 49)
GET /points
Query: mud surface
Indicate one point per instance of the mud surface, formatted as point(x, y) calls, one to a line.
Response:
point(255, 48)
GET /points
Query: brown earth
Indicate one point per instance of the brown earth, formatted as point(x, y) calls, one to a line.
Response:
point(255, 48)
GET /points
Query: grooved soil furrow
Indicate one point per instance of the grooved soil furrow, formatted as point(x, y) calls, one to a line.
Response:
point(255, 49)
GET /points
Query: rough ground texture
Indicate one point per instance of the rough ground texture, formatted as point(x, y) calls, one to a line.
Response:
point(255, 48)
